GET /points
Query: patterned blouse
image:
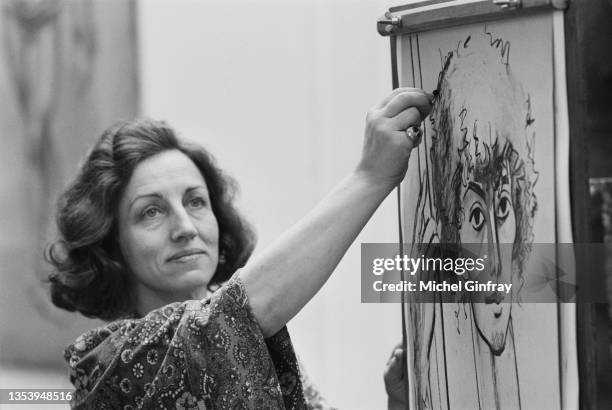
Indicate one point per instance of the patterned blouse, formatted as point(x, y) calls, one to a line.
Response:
point(199, 354)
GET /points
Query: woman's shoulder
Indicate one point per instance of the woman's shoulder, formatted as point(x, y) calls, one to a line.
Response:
point(151, 329)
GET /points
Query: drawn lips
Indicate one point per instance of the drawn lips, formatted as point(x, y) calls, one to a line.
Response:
point(495, 297)
point(184, 253)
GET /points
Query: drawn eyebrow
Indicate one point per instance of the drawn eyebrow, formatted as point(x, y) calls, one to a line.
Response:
point(476, 188)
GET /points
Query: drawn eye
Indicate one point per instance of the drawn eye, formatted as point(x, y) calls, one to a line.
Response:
point(477, 218)
point(503, 209)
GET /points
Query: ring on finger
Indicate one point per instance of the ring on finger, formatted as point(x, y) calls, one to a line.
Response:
point(414, 133)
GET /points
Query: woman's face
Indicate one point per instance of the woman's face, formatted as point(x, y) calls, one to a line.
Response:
point(168, 233)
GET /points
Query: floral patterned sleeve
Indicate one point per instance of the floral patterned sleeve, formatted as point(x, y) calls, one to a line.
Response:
point(201, 354)
point(314, 399)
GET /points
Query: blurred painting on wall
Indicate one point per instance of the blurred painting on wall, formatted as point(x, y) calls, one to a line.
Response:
point(69, 69)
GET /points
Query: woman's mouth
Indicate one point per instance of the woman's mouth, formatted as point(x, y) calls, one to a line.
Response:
point(186, 255)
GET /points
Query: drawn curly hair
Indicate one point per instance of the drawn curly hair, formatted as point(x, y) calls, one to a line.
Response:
point(481, 124)
point(90, 274)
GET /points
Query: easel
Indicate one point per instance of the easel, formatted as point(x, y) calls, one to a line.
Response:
point(587, 33)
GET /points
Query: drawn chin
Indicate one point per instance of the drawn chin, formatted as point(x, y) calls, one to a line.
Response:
point(497, 343)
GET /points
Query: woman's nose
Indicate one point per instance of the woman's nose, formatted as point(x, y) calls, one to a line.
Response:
point(183, 227)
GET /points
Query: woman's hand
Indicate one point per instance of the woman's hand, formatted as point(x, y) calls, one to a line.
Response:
point(387, 147)
point(396, 380)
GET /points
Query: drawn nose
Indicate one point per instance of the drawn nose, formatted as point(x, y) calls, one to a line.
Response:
point(493, 247)
point(494, 259)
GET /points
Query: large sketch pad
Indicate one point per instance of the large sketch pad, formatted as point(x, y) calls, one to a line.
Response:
point(493, 121)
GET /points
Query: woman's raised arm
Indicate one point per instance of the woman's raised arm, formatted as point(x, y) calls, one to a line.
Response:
point(285, 276)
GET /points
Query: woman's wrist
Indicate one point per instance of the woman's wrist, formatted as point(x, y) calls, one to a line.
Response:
point(381, 185)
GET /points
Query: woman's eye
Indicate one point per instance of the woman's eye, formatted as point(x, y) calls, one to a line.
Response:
point(477, 219)
point(503, 209)
point(151, 212)
point(197, 202)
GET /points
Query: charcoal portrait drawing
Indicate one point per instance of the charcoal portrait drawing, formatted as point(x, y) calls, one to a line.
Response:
point(476, 190)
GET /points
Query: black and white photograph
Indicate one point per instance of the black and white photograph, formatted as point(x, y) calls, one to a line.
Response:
point(317, 204)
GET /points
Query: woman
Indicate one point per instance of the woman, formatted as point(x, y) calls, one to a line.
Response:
point(148, 229)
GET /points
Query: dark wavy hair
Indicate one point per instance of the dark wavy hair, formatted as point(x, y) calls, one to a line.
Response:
point(90, 274)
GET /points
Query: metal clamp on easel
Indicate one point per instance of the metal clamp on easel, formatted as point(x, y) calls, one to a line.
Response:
point(389, 23)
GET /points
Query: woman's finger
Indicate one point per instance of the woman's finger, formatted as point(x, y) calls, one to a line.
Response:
point(407, 118)
point(398, 346)
point(395, 92)
point(409, 99)
point(394, 371)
